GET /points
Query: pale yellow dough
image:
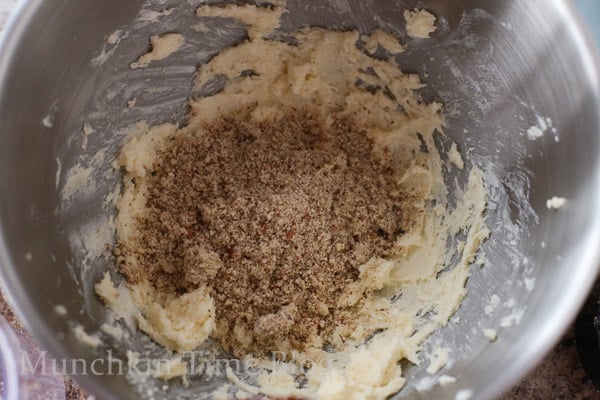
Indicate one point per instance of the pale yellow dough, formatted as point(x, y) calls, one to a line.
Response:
point(383, 39)
point(162, 47)
point(320, 73)
point(419, 23)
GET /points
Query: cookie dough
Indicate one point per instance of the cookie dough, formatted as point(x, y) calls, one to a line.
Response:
point(419, 23)
point(400, 298)
point(162, 47)
point(380, 38)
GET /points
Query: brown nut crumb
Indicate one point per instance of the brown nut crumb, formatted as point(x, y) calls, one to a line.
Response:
point(274, 218)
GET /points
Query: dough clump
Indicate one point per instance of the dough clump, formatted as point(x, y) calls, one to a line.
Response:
point(419, 23)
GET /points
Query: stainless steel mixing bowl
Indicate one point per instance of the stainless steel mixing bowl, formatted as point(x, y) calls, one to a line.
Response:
point(496, 65)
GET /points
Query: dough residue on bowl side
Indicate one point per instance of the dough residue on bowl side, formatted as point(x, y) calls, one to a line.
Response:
point(419, 23)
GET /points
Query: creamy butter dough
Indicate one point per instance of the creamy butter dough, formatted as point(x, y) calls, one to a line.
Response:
point(419, 23)
point(381, 38)
point(162, 47)
point(410, 294)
